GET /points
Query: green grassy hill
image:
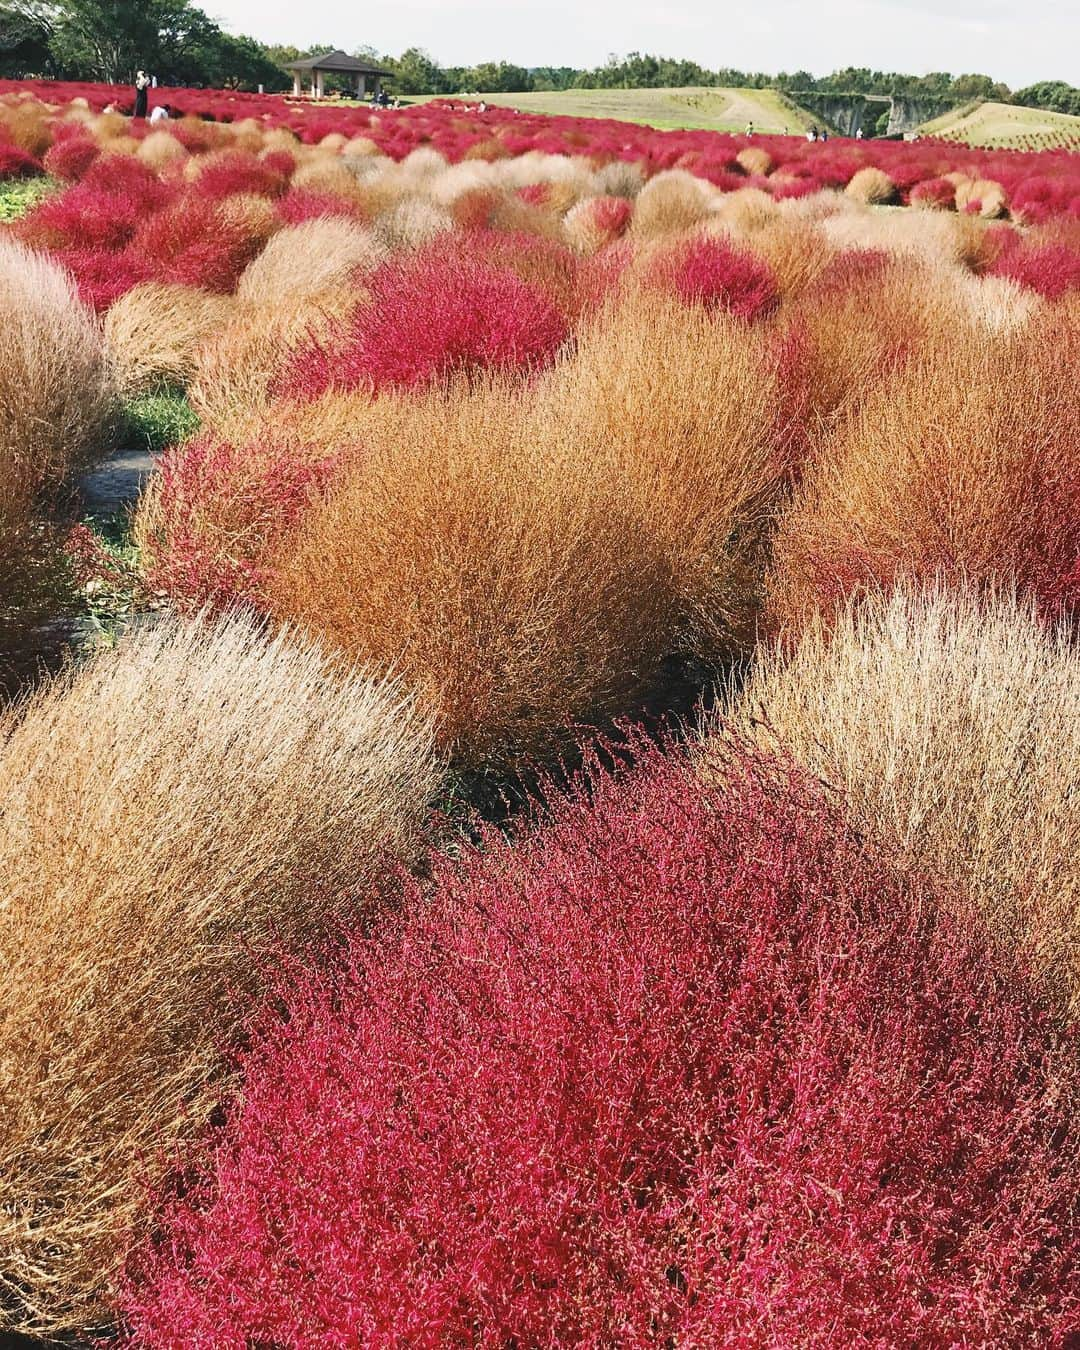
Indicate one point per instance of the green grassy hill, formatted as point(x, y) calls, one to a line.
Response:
point(670, 109)
point(1001, 124)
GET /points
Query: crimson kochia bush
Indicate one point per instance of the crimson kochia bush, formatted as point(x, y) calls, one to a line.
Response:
point(683, 1066)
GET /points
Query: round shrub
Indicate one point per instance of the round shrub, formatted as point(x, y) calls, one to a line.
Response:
point(1051, 270)
point(69, 159)
point(433, 314)
point(719, 276)
point(686, 1066)
point(175, 807)
point(871, 185)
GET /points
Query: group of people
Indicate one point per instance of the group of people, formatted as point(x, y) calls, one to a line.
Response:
point(143, 84)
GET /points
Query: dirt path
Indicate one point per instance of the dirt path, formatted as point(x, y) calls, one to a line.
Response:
point(116, 482)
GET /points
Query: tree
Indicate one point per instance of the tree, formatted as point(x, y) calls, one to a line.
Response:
point(416, 73)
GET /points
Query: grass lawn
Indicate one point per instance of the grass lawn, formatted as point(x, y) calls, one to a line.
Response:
point(18, 195)
point(999, 124)
point(669, 109)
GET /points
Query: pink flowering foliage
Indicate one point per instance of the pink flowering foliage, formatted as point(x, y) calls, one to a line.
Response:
point(718, 275)
point(435, 313)
point(684, 1065)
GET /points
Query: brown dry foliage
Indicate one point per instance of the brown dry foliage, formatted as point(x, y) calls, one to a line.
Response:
point(315, 260)
point(754, 160)
point(514, 592)
point(670, 203)
point(155, 330)
point(177, 807)
point(677, 407)
point(871, 185)
point(951, 723)
point(964, 460)
point(234, 372)
point(56, 398)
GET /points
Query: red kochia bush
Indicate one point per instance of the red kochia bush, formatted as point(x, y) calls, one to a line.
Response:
point(16, 163)
point(239, 171)
point(1052, 270)
point(434, 313)
point(214, 512)
point(192, 244)
point(686, 1066)
point(718, 275)
point(70, 157)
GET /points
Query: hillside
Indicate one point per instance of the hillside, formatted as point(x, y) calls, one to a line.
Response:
point(670, 109)
point(1002, 124)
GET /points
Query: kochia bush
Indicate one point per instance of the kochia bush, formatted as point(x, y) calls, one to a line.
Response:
point(718, 275)
point(433, 314)
point(686, 1066)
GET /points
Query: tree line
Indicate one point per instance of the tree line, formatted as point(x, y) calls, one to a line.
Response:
point(110, 39)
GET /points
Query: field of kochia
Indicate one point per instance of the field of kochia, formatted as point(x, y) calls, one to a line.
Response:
point(569, 834)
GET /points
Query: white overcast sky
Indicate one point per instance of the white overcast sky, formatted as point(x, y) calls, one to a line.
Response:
point(1018, 41)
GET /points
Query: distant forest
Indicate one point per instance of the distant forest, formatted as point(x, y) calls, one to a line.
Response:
point(108, 39)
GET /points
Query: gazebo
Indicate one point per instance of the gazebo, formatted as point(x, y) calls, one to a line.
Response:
point(336, 63)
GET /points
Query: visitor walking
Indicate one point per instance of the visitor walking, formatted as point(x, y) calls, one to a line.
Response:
point(811, 135)
point(142, 86)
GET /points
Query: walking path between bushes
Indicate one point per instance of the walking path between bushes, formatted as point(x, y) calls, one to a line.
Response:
point(116, 482)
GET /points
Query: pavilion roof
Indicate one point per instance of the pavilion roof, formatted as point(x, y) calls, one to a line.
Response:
point(338, 61)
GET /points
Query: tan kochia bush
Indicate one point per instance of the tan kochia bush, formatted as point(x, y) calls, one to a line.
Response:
point(871, 185)
point(513, 592)
point(411, 222)
point(989, 194)
point(183, 803)
point(309, 260)
point(56, 397)
point(754, 160)
point(155, 330)
point(161, 148)
point(235, 371)
point(679, 407)
point(953, 725)
point(671, 202)
point(56, 390)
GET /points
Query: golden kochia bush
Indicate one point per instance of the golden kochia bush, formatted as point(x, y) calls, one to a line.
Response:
point(952, 724)
point(231, 389)
point(967, 462)
point(56, 390)
point(677, 408)
point(310, 260)
point(56, 396)
point(871, 185)
point(671, 202)
point(155, 330)
point(515, 593)
point(181, 804)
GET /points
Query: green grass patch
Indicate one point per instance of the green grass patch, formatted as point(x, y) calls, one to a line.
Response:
point(20, 195)
point(712, 109)
point(157, 420)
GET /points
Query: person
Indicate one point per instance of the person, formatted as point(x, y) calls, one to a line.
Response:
point(858, 134)
point(749, 128)
point(159, 114)
point(142, 85)
point(483, 107)
point(811, 135)
point(824, 133)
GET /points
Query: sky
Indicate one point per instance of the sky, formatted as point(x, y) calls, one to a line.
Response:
point(1015, 42)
